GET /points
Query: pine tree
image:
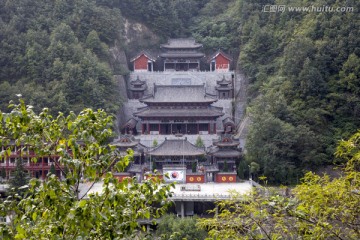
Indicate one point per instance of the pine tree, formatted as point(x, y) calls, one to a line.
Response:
point(226, 166)
point(3, 173)
point(194, 167)
point(199, 142)
point(52, 169)
point(19, 178)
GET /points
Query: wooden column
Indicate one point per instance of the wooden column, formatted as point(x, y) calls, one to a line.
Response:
point(42, 168)
point(214, 127)
point(182, 209)
point(159, 129)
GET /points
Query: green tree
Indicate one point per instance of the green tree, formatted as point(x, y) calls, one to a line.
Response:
point(52, 169)
point(226, 166)
point(172, 227)
point(3, 173)
point(319, 208)
point(18, 178)
point(193, 167)
point(67, 209)
point(199, 142)
point(155, 143)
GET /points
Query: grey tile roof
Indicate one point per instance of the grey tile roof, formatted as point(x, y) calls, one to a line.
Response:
point(227, 153)
point(181, 43)
point(127, 141)
point(164, 112)
point(137, 81)
point(228, 120)
point(223, 82)
point(141, 85)
point(176, 147)
point(146, 53)
point(179, 93)
point(226, 140)
point(180, 54)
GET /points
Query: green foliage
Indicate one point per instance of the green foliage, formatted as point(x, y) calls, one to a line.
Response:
point(52, 169)
point(199, 142)
point(3, 173)
point(304, 96)
point(68, 209)
point(55, 51)
point(226, 166)
point(174, 228)
point(318, 208)
point(243, 169)
point(155, 143)
point(217, 26)
point(156, 14)
point(19, 178)
point(194, 167)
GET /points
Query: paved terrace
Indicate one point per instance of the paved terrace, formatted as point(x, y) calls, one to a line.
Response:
point(191, 192)
point(209, 191)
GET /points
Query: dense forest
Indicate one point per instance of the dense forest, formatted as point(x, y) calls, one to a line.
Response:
point(303, 68)
point(55, 53)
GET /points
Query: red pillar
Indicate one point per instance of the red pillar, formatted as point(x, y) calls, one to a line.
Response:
point(148, 128)
point(209, 128)
point(42, 169)
point(142, 128)
point(214, 127)
point(159, 129)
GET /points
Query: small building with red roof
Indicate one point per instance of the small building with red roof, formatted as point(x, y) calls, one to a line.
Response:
point(143, 62)
point(220, 62)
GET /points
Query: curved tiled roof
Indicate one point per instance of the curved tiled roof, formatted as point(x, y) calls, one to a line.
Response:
point(184, 112)
point(177, 147)
point(126, 141)
point(181, 43)
point(179, 93)
point(181, 54)
point(227, 153)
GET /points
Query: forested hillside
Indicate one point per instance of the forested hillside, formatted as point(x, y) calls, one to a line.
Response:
point(55, 53)
point(304, 70)
point(303, 67)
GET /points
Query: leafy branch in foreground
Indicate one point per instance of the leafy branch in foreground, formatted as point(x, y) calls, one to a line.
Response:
point(72, 208)
point(318, 208)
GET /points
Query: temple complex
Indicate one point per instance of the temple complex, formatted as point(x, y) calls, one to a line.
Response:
point(38, 169)
point(181, 55)
point(170, 109)
point(167, 111)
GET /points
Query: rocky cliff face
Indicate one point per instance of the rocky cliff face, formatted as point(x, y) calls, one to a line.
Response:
point(135, 37)
point(137, 32)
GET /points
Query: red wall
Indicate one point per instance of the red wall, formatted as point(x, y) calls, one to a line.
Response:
point(141, 63)
point(195, 178)
point(225, 178)
point(222, 62)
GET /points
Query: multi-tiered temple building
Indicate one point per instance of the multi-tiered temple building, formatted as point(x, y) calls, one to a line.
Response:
point(181, 113)
point(168, 111)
